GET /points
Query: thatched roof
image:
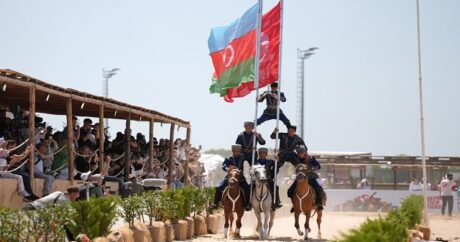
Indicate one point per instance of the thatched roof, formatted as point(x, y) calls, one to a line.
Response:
point(17, 93)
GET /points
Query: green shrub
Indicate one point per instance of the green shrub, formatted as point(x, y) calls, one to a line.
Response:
point(166, 207)
point(132, 208)
point(94, 217)
point(381, 230)
point(199, 201)
point(152, 205)
point(209, 196)
point(46, 224)
point(412, 210)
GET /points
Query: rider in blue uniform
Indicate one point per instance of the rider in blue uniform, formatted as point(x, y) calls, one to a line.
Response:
point(313, 165)
point(270, 168)
point(288, 143)
point(272, 103)
point(234, 161)
point(246, 140)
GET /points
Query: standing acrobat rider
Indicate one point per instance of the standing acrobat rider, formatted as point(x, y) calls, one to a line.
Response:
point(234, 161)
point(313, 165)
point(272, 102)
point(270, 168)
point(245, 139)
point(288, 143)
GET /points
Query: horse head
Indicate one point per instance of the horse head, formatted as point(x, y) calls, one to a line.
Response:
point(260, 173)
point(234, 176)
point(301, 172)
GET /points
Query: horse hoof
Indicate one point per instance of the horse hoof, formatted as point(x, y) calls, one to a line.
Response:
point(300, 233)
point(305, 238)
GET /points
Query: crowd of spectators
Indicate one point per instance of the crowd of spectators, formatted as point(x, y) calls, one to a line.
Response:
point(51, 155)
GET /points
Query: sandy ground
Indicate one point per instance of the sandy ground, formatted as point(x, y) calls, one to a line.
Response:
point(333, 224)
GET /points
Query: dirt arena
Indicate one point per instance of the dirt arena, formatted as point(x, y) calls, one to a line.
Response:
point(333, 224)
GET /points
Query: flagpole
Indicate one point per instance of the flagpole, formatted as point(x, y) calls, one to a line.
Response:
point(256, 84)
point(422, 120)
point(279, 96)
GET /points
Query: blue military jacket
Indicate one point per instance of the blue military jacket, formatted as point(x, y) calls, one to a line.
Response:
point(237, 161)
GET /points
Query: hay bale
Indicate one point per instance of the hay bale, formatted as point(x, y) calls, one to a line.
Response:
point(100, 239)
point(169, 232)
point(157, 232)
point(180, 230)
point(115, 236)
point(190, 227)
point(212, 223)
point(200, 225)
point(221, 222)
point(127, 234)
point(141, 232)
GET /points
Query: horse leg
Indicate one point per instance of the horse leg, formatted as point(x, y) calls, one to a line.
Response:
point(296, 217)
point(227, 217)
point(259, 220)
point(267, 210)
point(239, 215)
point(230, 216)
point(270, 224)
point(319, 215)
point(307, 224)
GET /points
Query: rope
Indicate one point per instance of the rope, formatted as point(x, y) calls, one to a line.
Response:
point(17, 168)
point(19, 146)
point(121, 156)
point(59, 168)
point(121, 172)
point(53, 154)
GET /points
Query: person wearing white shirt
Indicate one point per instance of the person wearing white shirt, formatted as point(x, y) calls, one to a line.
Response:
point(415, 185)
point(364, 185)
point(447, 185)
point(54, 198)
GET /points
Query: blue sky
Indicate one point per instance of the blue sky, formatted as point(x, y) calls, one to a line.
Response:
point(362, 85)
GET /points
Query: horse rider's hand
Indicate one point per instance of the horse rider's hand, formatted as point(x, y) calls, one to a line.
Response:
point(257, 134)
point(276, 130)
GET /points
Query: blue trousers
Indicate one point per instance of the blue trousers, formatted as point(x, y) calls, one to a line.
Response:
point(289, 156)
point(266, 117)
point(248, 157)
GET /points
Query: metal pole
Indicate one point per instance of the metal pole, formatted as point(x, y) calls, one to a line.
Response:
point(256, 82)
point(302, 105)
point(279, 97)
point(422, 121)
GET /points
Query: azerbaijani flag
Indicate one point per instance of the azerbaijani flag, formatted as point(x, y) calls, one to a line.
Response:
point(233, 53)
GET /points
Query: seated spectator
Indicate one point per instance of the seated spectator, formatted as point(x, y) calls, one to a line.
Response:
point(59, 165)
point(415, 185)
point(84, 161)
point(15, 160)
point(364, 184)
point(5, 174)
point(40, 161)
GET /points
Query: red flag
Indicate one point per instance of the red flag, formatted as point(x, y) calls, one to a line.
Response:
point(269, 55)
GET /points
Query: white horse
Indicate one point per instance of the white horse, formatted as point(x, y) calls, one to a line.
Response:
point(262, 201)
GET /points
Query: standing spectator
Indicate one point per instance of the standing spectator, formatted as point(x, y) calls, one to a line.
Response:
point(39, 168)
point(76, 131)
point(447, 185)
point(87, 138)
point(415, 185)
point(364, 184)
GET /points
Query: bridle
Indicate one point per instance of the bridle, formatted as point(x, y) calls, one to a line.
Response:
point(301, 171)
point(261, 184)
point(234, 179)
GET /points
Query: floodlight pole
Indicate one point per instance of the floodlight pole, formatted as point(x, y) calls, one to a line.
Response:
point(302, 55)
point(107, 75)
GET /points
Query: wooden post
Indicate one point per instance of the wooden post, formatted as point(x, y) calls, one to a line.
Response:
point(151, 148)
point(101, 137)
point(395, 180)
point(127, 156)
point(171, 149)
point(70, 143)
point(32, 134)
point(187, 158)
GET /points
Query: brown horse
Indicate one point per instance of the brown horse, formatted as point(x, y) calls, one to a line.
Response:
point(304, 201)
point(233, 202)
